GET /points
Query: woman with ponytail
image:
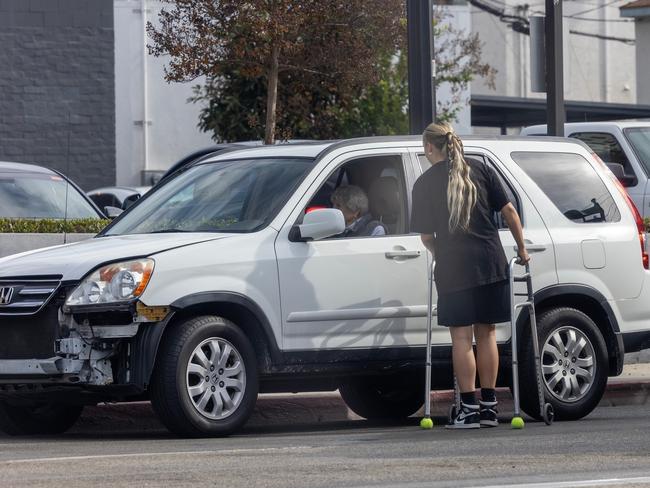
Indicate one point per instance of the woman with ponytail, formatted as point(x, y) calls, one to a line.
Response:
point(453, 206)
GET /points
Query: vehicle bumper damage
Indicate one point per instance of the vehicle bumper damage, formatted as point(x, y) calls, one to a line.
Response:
point(89, 346)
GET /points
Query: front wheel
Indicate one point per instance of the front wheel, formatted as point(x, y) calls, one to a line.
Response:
point(384, 397)
point(574, 365)
point(41, 418)
point(206, 381)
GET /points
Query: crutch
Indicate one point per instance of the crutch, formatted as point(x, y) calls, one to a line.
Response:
point(427, 422)
point(545, 409)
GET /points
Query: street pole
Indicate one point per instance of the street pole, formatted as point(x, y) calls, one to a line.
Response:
point(554, 69)
point(422, 97)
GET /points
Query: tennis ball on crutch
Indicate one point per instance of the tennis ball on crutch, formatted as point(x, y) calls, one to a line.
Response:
point(517, 423)
point(426, 423)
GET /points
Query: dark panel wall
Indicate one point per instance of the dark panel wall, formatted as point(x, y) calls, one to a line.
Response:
point(57, 84)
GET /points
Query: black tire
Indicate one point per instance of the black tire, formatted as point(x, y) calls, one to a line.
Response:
point(169, 387)
point(43, 418)
point(386, 397)
point(549, 322)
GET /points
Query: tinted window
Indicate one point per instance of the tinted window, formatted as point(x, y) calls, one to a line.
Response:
point(36, 195)
point(498, 218)
point(572, 184)
point(639, 139)
point(607, 147)
point(226, 196)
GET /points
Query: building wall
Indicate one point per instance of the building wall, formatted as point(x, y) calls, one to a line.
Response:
point(57, 104)
point(594, 69)
point(169, 131)
point(642, 57)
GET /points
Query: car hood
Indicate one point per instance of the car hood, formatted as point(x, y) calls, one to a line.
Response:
point(74, 261)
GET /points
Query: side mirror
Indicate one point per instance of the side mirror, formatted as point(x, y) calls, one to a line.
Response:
point(112, 212)
point(319, 224)
point(619, 171)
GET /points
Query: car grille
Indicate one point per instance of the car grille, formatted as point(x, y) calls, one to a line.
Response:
point(26, 296)
point(30, 336)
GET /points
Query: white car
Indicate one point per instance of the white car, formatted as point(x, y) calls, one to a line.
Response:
point(228, 280)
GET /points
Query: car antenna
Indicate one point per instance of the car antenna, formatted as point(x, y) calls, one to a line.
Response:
point(67, 183)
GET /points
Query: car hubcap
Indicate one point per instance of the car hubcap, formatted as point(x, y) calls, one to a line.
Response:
point(216, 378)
point(568, 364)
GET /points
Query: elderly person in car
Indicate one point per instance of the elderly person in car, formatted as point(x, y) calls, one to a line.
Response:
point(353, 203)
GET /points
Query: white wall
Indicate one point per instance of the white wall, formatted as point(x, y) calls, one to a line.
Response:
point(460, 18)
point(171, 131)
point(594, 70)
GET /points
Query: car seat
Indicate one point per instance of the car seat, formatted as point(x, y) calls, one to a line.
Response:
point(384, 202)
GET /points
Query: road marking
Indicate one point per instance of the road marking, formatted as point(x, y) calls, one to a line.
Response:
point(575, 483)
point(152, 454)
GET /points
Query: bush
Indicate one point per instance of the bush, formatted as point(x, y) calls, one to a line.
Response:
point(646, 221)
point(52, 226)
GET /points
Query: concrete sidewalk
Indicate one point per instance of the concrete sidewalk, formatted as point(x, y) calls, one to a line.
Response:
point(313, 409)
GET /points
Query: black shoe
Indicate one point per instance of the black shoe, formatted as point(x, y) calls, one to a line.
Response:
point(488, 412)
point(467, 418)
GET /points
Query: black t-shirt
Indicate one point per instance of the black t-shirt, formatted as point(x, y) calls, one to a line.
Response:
point(464, 259)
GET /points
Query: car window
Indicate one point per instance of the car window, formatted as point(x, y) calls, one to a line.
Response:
point(572, 184)
point(46, 196)
point(377, 182)
point(639, 139)
point(607, 147)
point(498, 218)
point(226, 196)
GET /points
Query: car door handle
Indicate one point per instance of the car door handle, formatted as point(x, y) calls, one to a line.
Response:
point(403, 254)
point(532, 248)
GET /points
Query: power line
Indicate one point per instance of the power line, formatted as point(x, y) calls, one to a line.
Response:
point(522, 25)
point(598, 20)
point(594, 9)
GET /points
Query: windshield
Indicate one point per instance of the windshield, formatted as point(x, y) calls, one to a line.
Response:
point(226, 196)
point(34, 195)
point(639, 139)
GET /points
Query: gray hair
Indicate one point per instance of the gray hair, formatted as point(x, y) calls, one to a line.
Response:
point(352, 197)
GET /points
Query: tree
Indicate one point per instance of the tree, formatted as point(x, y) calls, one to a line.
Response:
point(333, 41)
point(311, 109)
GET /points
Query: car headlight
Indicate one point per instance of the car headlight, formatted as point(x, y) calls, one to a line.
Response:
point(117, 282)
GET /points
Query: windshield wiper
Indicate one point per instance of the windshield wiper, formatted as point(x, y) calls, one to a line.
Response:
point(165, 231)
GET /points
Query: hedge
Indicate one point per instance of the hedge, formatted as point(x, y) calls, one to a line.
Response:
point(52, 226)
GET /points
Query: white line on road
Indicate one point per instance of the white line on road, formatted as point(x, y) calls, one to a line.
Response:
point(577, 483)
point(153, 454)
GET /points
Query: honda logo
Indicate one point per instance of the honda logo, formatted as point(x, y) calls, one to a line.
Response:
point(6, 294)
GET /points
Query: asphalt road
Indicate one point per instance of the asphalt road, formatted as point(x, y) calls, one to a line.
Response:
point(612, 443)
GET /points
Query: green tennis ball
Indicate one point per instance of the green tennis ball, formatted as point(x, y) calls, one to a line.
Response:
point(517, 423)
point(426, 423)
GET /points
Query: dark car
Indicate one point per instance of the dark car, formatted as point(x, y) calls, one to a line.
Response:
point(117, 196)
point(31, 191)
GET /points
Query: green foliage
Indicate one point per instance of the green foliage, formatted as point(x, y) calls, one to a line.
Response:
point(52, 226)
point(646, 221)
point(311, 107)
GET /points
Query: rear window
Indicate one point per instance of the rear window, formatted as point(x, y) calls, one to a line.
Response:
point(572, 184)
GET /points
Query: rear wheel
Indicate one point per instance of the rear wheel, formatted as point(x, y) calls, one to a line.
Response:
point(574, 364)
point(42, 418)
point(206, 381)
point(384, 397)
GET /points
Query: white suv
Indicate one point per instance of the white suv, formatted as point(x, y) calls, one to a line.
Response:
point(229, 279)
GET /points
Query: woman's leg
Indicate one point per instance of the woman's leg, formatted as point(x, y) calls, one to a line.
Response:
point(487, 354)
point(463, 358)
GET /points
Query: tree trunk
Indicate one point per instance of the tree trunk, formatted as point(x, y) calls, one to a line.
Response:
point(272, 96)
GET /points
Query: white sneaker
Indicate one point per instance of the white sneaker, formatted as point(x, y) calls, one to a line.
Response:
point(468, 417)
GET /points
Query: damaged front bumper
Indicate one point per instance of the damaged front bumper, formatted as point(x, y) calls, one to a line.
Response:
point(94, 346)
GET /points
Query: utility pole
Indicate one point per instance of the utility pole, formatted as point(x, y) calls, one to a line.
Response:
point(421, 69)
point(555, 112)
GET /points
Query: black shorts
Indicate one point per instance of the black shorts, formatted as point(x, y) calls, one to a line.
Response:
point(486, 304)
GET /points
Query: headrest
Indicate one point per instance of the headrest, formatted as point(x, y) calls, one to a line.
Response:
point(383, 197)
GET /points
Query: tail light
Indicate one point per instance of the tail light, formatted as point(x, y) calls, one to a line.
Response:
point(637, 216)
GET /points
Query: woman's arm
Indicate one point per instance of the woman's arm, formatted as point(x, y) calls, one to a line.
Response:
point(511, 217)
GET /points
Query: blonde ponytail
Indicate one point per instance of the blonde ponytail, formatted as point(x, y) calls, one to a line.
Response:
point(461, 191)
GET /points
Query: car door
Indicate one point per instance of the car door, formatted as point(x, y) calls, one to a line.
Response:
point(354, 292)
point(536, 234)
